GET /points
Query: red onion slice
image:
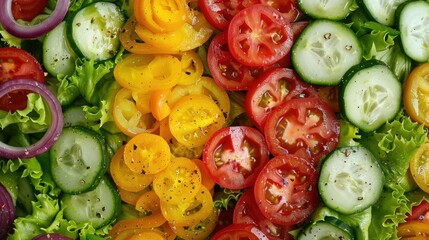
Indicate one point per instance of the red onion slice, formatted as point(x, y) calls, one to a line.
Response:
point(7, 212)
point(51, 236)
point(54, 130)
point(22, 31)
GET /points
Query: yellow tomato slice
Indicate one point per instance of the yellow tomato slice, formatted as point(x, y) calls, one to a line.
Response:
point(130, 197)
point(206, 180)
point(124, 177)
point(416, 94)
point(143, 72)
point(194, 118)
point(206, 86)
point(137, 224)
point(128, 118)
point(159, 104)
point(189, 212)
point(160, 15)
point(413, 228)
point(132, 43)
point(419, 167)
point(148, 203)
point(165, 40)
point(147, 154)
point(198, 231)
point(149, 234)
point(177, 149)
point(192, 67)
point(179, 182)
point(142, 100)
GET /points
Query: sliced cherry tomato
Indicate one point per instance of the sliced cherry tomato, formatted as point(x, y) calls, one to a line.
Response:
point(420, 212)
point(189, 212)
point(259, 36)
point(206, 179)
point(130, 197)
point(234, 156)
point(271, 89)
point(329, 94)
point(286, 190)
point(160, 16)
point(124, 177)
point(163, 40)
point(27, 9)
point(194, 118)
point(147, 153)
point(297, 28)
point(246, 211)
point(414, 228)
point(289, 8)
point(148, 203)
point(220, 12)
point(228, 72)
point(206, 86)
point(136, 224)
point(148, 234)
point(127, 116)
point(198, 231)
point(179, 182)
point(159, 104)
point(304, 126)
point(239, 231)
point(192, 67)
point(419, 167)
point(416, 92)
point(16, 63)
point(177, 149)
point(148, 72)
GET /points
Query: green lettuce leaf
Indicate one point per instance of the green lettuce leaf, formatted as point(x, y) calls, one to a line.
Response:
point(387, 213)
point(393, 145)
point(349, 134)
point(34, 118)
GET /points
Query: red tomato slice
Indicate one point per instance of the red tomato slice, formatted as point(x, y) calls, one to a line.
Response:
point(259, 36)
point(420, 212)
point(16, 63)
point(286, 190)
point(239, 231)
point(289, 8)
point(274, 87)
point(234, 156)
point(228, 72)
point(27, 9)
point(246, 211)
point(220, 12)
point(304, 126)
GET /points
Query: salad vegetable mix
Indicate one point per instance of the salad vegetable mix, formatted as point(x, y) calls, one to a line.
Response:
point(214, 119)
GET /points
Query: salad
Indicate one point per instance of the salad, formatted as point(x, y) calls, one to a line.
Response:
point(203, 119)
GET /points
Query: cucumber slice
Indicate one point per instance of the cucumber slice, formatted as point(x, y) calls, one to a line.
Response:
point(330, 228)
point(93, 30)
point(78, 160)
point(57, 56)
point(99, 207)
point(350, 180)
point(414, 28)
point(334, 10)
point(381, 11)
point(324, 51)
point(370, 95)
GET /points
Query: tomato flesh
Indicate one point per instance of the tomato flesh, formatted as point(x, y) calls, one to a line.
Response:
point(16, 63)
point(27, 10)
point(286, 190)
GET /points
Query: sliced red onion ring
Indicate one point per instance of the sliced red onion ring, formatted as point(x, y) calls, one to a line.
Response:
point(22, 31)
point(7, 212)
point(51, 236)
point(54, 130)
